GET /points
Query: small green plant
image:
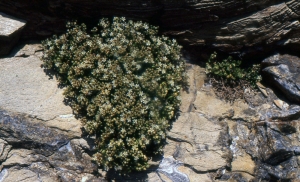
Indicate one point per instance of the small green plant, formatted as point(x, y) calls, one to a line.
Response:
point(124, 82)
point(231, 70)
point(229, 79)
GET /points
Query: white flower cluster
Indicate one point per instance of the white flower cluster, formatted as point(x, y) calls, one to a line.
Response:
point(124, 82)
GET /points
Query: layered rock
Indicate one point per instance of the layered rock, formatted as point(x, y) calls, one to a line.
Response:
point(242, 27)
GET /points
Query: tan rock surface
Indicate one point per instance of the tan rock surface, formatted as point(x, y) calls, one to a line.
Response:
point(194, 136)
point(243, 164)
point(196, 77)
point(206, 103)
point(193, 176)
point(25, 88)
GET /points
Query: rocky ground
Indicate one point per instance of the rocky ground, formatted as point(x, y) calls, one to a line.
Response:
point(253, 139)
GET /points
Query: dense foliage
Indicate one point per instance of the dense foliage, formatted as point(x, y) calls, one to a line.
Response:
point(230, 69)
point(124, 82)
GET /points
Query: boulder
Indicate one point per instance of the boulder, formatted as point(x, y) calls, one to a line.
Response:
point(283, 72)
point(10, 32)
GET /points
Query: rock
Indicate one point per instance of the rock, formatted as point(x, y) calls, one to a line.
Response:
point(195, 81)
point(206, 103)
point(279, 156)
point(169, 167)
point(243, 164)
point(292, 112)
point(241, 27)
point(5, 148)
point(19, 174)
point(41, 140)
point(25, 88)
point(211, 140)
point(197, 143)
point(284, 73)
point(10, 31)
point(35, 144)
point(280, 104)
point(216, 135)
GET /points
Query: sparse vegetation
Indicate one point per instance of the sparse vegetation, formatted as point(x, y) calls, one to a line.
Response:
point(229, 79)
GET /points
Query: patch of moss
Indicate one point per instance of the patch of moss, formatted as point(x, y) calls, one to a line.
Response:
point(124, 82)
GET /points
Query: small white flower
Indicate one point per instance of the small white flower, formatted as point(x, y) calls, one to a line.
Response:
point(141, 93)
point(136, 158)
point(123, 40)
point(89, 43)
point(171, 83)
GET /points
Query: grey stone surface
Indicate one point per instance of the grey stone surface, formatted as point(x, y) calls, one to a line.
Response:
point(168, 166)
point(284, 73)
point(10, 31)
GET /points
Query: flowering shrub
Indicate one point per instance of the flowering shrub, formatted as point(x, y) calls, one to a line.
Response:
point(124, 82)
